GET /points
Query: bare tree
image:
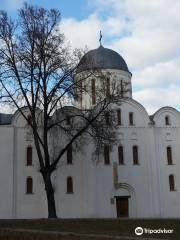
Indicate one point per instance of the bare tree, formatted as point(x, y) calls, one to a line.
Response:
point(37, 71)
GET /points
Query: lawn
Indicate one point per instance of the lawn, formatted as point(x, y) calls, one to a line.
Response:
point(119, 227)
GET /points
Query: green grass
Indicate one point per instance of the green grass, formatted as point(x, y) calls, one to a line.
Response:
point(118, 227)
point(7, 235)
point(10, 235)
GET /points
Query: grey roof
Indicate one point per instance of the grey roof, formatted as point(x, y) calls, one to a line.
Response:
point(102, 58)
point(5, 118)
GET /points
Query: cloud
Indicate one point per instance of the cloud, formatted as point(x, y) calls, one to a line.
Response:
point(82, 33)
point(155, 98)
point(160, 75)
point(146, 34)
point(147, 48)
point(152, 27)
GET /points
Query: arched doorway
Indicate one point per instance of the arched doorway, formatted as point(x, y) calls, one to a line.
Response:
point(122, 206)
point(125, 201)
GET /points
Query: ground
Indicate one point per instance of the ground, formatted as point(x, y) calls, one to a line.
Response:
point(85, 229)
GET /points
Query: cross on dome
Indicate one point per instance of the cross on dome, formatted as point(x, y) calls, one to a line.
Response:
point(100, 37)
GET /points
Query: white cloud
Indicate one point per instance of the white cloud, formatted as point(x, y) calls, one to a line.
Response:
point(113, 26)
point(146, 34)
point(155, 98)
point(82, 33)
point(152, 27)
point(147, 48)
point(159, 75)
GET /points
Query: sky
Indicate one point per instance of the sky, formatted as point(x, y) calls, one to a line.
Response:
point(145, 33)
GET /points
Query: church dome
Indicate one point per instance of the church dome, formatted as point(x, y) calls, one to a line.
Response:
point(102, 58)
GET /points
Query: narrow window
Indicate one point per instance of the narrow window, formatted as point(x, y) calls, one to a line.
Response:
point(69, 154)
point(93, 89)
point(119, 117)
point(29, 156)
point(29, 185)
point(79, 85)
point(68, 120)
point(107, 87)
point(107, 118)
point(29, 119)
point(167, 121)
point(169, 155)
point(171, 183)
point(135, 155)
point(121, 155)
point(131, 118)
point(69, 185)
point(106, 155)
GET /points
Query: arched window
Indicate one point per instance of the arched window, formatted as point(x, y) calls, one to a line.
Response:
point(69, 154)
point(29, 185)
point(107, 154)
point(29, 119)
point(29, 156)
point(107, 118)
point(131, 118)
point(107, 87)
point(79, 90)
point(119, 122)
point(121, 155)
point(135, 155)
point(68, 120)
point(93, 89)
point(167, 120)
point(169, 156)
point(69, 185)
point(171, 183)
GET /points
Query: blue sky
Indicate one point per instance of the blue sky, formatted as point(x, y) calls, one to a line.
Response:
point(79, 10)
point(145, 33)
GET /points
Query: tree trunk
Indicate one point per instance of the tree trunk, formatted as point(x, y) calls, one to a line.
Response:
point(50, 196)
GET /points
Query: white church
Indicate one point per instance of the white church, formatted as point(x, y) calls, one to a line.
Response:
point(137, 178)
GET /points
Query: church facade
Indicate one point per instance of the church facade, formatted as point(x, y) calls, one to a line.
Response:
point(137, 178)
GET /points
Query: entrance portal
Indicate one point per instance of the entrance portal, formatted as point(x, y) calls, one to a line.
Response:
point(122, 206)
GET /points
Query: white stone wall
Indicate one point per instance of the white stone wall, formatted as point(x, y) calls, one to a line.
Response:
point(6, 171)
point(169, 201)
point(147, 184)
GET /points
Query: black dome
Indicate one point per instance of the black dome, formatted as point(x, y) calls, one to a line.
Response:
point(102, 58)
